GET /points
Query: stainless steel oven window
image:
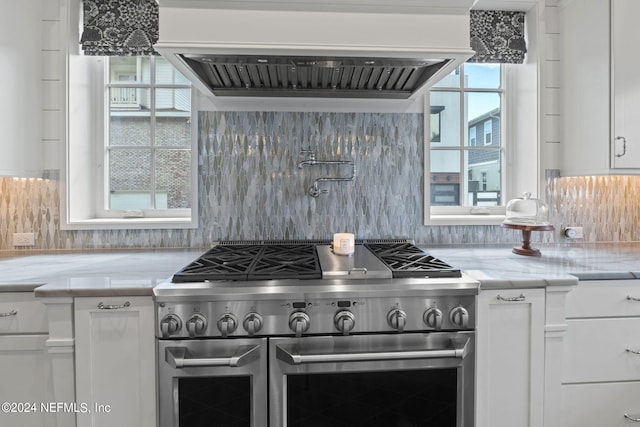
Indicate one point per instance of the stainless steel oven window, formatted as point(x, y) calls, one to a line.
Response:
point(318, 381)
point(412, 397)
point(212, 382)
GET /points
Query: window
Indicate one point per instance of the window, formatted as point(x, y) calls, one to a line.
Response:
point(148, 137)
point(487, 132)
point(130, 140)
point(131, 161)
point(434, 126)
point(473, 100)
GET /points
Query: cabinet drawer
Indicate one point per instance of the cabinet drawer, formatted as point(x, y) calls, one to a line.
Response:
point(600, 405)
point(604, 298)
point(21, 312)
point(596, 350)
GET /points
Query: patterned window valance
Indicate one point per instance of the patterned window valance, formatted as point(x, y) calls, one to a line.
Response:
point(120, 27)
point(497, 36)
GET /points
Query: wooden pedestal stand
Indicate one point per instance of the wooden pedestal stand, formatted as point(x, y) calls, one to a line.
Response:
point(526, 249)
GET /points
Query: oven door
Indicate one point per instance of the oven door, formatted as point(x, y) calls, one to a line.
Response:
point(404, 380)
point(215, 382)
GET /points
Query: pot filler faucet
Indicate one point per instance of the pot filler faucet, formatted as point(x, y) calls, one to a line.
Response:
point(314, 190)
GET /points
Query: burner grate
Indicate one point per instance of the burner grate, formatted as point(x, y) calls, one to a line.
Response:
point(220, 263)
point(243, 262)
point(407, 260)
point(295, 261)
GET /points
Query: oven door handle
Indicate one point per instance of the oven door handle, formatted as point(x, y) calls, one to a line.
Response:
point(289, 353)
point(177, 357)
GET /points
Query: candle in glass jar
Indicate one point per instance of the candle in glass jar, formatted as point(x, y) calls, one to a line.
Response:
point(343, 243)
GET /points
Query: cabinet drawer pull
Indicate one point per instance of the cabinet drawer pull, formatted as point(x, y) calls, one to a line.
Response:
point(628, 350)
point(102, 306)
point(519, 298)
point(629, 417)
point(9, 314)
point(630, 298)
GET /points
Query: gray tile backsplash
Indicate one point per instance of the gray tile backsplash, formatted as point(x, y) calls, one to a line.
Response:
point(251, 188)
point(607, 207)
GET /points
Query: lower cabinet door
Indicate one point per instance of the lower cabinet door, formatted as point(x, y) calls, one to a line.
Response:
point(25, 382)
point(510, 358)
point(602, 404)
point(115, 361)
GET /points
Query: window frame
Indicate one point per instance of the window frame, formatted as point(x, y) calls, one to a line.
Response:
point(469, 215)
point(102, 196)
point(85, 123)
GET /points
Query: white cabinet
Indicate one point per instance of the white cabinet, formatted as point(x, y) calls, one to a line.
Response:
point(21, 87)
point(601, 362)
point(600, 88)
point(510, 358)
point(115, 361)
point(25, 374)
point(625, 83)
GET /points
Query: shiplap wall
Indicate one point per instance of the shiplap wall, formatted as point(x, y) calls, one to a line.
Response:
point(53, 83)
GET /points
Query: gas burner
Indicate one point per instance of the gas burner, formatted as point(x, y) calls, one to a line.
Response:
point(407, 260)
point(221, 262)
point(245, 262)
point(295, 261)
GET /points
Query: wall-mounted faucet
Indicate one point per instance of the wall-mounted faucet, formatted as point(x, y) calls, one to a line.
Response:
point(310, 161)
point(315, 190)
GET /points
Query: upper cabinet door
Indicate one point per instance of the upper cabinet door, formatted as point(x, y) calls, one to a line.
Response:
point(625, 84)
point(600, 88)
point(584, 87)
point(21, 86)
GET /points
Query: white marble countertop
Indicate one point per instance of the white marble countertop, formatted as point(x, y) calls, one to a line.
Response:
point(498, 266)
point(91, 273)
point(136, 272)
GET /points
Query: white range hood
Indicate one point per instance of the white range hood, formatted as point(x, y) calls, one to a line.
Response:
point(305, 48)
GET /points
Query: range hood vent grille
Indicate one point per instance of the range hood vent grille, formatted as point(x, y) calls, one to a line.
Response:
point(307, 76)
point(350, 49)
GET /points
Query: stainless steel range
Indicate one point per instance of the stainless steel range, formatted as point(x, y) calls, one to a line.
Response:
point(291, 334)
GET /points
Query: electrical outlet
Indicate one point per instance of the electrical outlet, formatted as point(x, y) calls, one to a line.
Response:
point(573, 233)
point(24, 239)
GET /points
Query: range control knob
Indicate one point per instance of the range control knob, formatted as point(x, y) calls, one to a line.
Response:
point(196, 325)
point(299, 322)
point(433, 318)
point(252, 323)
point(170, 325)
point(227, 324)
point(344, 321)
point(459, 316)
point(397, 319)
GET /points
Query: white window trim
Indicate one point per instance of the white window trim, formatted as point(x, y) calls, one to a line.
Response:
point(521, 159)
point(83, 127)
